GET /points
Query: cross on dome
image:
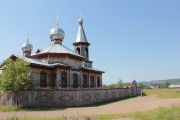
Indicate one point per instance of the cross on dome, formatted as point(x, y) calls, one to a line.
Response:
point(27, 48)
point(57, 18)
point(57, 34)
point(80, 15)
point(28, 38)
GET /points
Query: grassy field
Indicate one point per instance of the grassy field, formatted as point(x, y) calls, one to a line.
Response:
point(164, 93)
point(161, 113)
point(9, 108)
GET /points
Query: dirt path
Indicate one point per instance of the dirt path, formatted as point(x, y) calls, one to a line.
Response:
point(124, 106)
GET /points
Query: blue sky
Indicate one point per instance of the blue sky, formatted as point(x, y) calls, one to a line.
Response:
point(129, 38)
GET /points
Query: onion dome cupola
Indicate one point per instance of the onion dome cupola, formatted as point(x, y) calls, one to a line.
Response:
point(81, 44)
point(27, 48)
point(57, 34)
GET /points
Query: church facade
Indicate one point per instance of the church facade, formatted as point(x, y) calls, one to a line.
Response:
point(58, 67)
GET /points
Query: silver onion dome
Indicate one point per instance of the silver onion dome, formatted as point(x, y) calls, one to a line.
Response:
point(27, 46)
point(57, 33)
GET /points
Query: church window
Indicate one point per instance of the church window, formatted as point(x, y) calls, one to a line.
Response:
point(63, 79)
point(85, 81)
point(91, 81)
point(43, 82)
point(53, 81)
point(98, 82)
point(75, 80)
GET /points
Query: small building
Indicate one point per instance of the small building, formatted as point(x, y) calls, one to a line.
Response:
point(174, 86)
point(134, 83)
point(58, 67)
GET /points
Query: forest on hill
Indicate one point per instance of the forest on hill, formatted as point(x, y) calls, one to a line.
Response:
point(171, 81)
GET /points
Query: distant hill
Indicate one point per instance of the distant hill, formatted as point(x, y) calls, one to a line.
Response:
point(172, 81)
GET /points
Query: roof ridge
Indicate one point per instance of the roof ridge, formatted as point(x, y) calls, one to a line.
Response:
point(51, 46)
point(58, 48)
point(70, 49)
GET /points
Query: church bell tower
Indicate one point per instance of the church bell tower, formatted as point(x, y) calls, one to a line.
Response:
point(81, 44)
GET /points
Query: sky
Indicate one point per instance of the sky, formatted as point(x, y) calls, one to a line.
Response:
point(129, 38)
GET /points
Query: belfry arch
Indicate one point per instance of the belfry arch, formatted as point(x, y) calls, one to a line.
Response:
point(78, 50)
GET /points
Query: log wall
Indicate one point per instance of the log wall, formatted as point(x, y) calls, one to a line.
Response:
point(64, 97)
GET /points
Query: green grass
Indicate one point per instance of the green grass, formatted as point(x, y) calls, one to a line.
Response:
point(27, 118)
point(42, 108)
point(32, 108)
point(9, 108)
point(164, 93)
point(161, 113)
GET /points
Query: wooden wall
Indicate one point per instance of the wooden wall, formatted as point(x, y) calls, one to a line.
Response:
point(65, 97)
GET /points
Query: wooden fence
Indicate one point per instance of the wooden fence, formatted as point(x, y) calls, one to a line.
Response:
point(64, 97)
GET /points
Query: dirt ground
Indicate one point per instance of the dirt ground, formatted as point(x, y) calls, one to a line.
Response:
point(125, 106)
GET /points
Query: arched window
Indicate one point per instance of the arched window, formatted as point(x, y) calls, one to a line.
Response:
point(91, 81)
point(78, 50)
point(85, 81)
point(43, 81)
point(63, 79)
point(98, 82)
point(75, 80)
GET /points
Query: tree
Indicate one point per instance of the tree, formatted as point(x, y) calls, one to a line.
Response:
point(16, 76)
point(120, 84)
point(111, 86)
point(166, 84)
point(126, 85)
point(141, 85)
